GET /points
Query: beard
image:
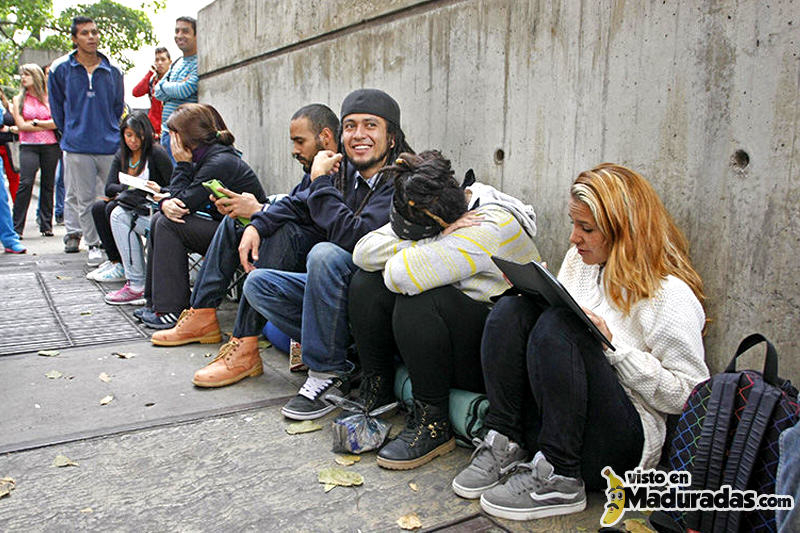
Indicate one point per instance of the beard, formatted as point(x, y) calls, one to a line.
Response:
point(364, 165)
point(305, 162)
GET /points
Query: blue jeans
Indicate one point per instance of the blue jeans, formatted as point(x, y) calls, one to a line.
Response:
point(788, 479)
point(286, 249)
point(7, 234)
point(60, 192)
point(311, 307)
point(127, 232)
point(165, 143)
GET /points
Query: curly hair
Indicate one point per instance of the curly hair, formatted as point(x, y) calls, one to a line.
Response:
point(425, 188)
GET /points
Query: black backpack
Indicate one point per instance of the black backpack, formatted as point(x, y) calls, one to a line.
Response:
point(728, 435)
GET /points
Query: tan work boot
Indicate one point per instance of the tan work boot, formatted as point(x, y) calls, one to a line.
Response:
point(194, 325)
point(237, 359)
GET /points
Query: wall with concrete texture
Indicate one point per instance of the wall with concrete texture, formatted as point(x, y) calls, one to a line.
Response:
point(700, 97)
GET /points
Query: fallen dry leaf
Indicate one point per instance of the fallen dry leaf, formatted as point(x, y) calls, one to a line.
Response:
point(409, 521)
point(63, 460)
point(636, 525)
point(338, 476)
point(347, 460)
point(104, 377)
point(86, 313)
point(263, 344)
point(328, 487)
point(7, 484)
point(413, 486)
point(124, 355)
point(107, 399)
point(53, 374)
point(87, 510)
point(306, 426)
point(48, 353)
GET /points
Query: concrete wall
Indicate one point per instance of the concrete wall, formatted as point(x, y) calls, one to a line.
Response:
point(699, 96)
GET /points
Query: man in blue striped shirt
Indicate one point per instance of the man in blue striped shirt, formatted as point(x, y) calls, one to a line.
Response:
point(179, 86)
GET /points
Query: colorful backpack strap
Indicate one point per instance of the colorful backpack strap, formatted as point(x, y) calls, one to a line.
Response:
point(708, 467)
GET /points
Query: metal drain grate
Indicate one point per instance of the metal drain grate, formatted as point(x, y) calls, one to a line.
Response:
point(53, 306)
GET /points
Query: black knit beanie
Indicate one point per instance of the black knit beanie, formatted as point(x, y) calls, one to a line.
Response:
point(374, 102)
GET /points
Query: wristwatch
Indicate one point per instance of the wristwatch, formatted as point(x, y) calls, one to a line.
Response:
point(35, 123)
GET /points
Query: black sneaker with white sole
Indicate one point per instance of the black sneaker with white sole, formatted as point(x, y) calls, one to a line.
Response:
point(310, 403)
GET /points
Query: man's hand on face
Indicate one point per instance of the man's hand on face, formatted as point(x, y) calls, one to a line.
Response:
point(324, 163)
point(236, 205)
point(248, 248)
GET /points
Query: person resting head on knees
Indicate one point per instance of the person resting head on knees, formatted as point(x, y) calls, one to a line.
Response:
point(552, 386)
point(202, 145)
point(424, 291)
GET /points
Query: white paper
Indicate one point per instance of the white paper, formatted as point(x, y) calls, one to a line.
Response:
point(137, 182)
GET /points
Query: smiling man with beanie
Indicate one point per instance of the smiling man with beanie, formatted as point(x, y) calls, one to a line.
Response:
point(347, 198)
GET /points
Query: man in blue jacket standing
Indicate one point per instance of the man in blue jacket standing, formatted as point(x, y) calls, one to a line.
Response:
point(346, 198)
point(86, 101)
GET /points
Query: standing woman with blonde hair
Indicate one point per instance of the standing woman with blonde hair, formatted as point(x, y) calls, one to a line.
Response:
point(582, 406)
point(38, 148)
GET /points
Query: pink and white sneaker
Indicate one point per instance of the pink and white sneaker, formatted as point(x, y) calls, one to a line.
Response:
point(126, 296)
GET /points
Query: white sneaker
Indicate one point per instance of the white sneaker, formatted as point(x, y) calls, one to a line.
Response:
point(98, 270)
point(95, 256)
point(115, 273)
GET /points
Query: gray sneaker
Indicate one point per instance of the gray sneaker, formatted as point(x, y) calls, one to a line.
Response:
point(535, 491)
point(494, 457)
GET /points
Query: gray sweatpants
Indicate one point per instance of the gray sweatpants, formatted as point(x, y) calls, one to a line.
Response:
point(84, 179)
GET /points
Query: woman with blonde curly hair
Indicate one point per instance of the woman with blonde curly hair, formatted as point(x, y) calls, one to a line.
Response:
point(38, 148)
point(550, 382)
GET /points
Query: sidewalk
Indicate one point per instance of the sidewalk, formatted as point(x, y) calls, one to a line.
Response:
point(164, 455)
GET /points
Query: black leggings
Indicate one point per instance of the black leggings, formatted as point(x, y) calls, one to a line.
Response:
point(551, 387)
point(32, 158)
point(101, 214)
point(437, 334)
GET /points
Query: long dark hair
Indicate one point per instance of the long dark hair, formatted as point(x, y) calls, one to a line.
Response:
point(139, 124)
point(393, 133)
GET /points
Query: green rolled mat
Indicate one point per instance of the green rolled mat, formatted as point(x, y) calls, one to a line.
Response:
point(467, 409)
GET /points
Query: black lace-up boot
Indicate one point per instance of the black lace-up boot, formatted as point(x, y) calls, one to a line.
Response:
point(427, 435)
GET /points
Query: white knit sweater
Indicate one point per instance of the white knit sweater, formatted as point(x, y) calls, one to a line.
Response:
point(659, 355)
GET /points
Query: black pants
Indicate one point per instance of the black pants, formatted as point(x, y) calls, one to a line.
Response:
point(101, 213)
point(551, 387)
point(167, 284)
point(32, 158)
point(437, 334)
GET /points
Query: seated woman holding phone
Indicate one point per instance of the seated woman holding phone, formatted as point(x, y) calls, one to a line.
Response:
point(203, 149)
point(550, 381)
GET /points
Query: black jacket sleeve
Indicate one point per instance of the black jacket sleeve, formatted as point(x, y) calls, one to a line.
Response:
point(160, 166)
point(330, 212)
point(292, 208)
point(113, 186)
point(224, 165)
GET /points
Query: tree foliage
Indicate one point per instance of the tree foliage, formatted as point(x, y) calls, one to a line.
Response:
point(33, 24)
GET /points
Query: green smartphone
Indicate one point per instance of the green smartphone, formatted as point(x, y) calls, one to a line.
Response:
point(213, 187)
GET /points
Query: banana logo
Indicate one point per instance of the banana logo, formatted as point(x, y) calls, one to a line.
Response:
point(615, 493)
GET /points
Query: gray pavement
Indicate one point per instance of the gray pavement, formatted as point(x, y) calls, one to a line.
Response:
point(166, 456)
